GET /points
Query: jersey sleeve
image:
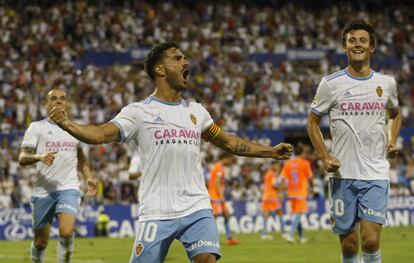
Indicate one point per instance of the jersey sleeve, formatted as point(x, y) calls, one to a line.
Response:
point(128, 122)
point(322, 101)
point(31, 137)
point(209, 128)
point(392, 103)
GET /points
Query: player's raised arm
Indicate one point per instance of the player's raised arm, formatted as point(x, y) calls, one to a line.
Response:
point(239, 146)
point(91, 134)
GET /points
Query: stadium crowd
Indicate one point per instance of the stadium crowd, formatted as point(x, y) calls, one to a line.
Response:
point(41, 46)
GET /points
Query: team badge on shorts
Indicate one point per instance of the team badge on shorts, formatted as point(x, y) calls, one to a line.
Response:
point(138, 249)
point(193, 119)
point(379, 91)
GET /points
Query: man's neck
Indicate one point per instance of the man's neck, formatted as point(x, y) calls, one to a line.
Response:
point(164, 92)
point(359, 70)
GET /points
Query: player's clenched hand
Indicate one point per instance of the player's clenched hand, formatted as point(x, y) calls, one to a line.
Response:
point(59, 116)
point(392, 150)
point(48, 158)
point(330, 163)
point(91, 189)
point(283, 151)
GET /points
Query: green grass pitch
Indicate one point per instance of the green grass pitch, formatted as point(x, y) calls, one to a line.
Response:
point(397, 246)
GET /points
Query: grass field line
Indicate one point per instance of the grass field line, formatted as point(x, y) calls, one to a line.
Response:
point(53, 259)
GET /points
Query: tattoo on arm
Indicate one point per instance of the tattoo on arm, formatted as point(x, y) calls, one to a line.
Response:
point(28, 150)
point(242, 147)
point(27, 157)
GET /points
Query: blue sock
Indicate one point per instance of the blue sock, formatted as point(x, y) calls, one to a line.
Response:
point(353, 259)
point(227, 228)
point(294, 223)
point(372, 257)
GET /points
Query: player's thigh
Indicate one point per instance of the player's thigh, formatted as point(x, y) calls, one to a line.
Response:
point(299, 206)
point(343, 205)
point(205, 258)
point(372, 205)
point(370, 235)
point(199, 234)
point(350, 243)
point(43, 210)
point(67, 207)
point(153, 239)
point(66, 224)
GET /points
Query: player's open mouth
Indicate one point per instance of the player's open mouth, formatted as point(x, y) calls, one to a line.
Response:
point(357, 51)
point(186, 72)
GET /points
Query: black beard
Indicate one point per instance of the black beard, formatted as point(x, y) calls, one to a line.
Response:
point(174, 80)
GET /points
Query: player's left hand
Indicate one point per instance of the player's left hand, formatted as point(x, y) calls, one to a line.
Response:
point(91, 189)
point(283, 151)
point(392, 151)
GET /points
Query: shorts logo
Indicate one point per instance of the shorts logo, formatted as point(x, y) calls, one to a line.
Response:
point(193, 119)
point(138, 249)
point(379, 91)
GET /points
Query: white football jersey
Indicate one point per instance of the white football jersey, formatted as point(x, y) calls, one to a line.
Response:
point(357, 111)
point(168, 138)
point(46, 136)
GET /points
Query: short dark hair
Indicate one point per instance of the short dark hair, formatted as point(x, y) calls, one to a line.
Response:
point(298, 150)
point(359, 24)
point(155, 56)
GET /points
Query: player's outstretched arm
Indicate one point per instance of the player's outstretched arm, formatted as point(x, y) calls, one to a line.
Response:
point(394, 127)
point(28, 156)
point(83, 167)
point(239, 146)
point(91, 134)
point(330, 163)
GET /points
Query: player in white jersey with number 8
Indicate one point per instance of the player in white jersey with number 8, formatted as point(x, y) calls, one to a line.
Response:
point(174, 201)
point(365, 124)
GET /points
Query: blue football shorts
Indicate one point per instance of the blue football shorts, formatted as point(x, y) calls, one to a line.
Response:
point(352, 200)
point(45, 208)
point(197, 232)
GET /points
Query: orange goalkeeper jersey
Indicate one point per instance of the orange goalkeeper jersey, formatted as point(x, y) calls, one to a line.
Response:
point(297, 173)
point(269, 191)
point(216, 175)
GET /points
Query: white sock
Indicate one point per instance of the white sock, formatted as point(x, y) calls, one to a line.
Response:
point(65, 249)
point(36, 255)
point(353, 259)
point(372, 257)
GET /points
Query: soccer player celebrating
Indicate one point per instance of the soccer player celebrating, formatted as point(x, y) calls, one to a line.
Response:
point(216, 189)
point(359, 102)
point(57, 155)
point(271, 205)
point(174, 202)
